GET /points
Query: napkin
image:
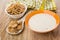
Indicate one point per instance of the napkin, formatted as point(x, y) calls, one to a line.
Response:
point(48, 5)
point(39, 4)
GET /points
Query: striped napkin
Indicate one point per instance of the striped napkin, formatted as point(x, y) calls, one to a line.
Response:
point(48, 5)
point(39, 4)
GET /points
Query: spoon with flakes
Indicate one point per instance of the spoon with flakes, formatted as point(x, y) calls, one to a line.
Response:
point(15, 27)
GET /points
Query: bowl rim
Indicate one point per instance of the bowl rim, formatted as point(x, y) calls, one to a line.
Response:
point(17, 14)
point(44, 12)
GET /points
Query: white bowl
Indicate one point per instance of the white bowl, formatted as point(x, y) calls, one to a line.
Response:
point(35, 29)
point(18, 15)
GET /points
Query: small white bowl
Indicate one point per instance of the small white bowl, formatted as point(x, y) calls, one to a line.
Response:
point(18, 15)
point(18, 31)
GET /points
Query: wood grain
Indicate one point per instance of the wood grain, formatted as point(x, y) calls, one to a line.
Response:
point(27, 34)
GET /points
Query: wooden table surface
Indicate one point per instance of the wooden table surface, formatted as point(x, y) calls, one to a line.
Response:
point(27, 34)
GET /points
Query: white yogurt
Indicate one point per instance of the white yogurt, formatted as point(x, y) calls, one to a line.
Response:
point(42, 22)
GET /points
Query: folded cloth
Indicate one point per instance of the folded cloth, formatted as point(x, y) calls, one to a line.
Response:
point(50, 5)
point(39, 4)
point(47, 5)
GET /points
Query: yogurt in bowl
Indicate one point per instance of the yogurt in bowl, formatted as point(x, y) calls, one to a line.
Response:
point(42, 21)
